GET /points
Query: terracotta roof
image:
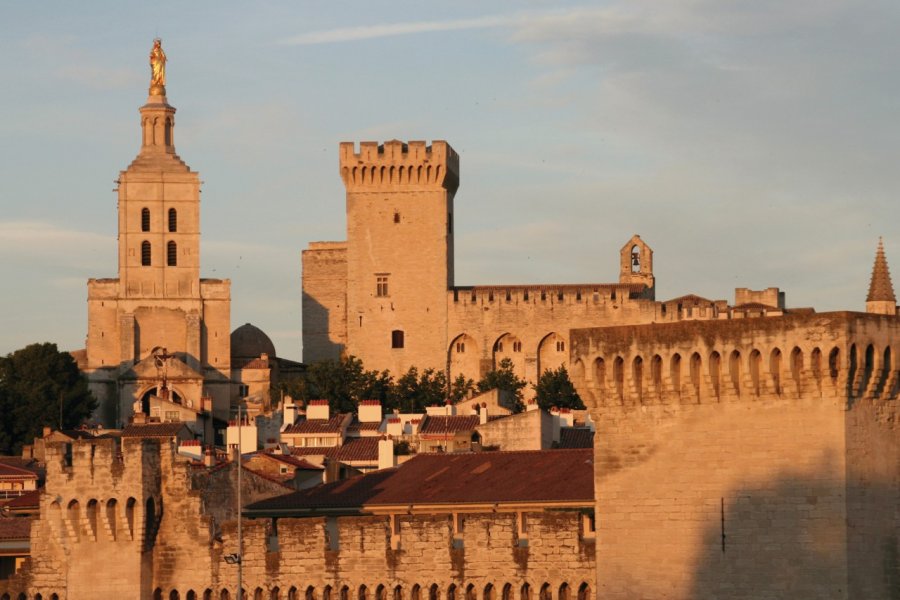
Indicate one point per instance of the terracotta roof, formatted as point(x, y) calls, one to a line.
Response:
point(162, 430)
point(30, 499)
point(332, 425)
point(880, 287)
point(11, 472)
point(365, 426)
point(353, 449)
point(297, 463)
point(15, 528)
point(542, 476)
point(576, 437)
point(437, 425)
point(690, 298)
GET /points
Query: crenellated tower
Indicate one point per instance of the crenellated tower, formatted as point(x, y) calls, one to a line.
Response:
point(399, 250)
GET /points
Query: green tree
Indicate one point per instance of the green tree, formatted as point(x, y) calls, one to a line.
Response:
point(504, 378)
point(37, 384)
point(342, 382)
point(461, 388)
point(554, 388)
point(413, 392)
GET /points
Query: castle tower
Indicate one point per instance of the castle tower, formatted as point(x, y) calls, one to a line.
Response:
point(399, 251)
point(881, 299)
point(159, 300)
point(636, 263)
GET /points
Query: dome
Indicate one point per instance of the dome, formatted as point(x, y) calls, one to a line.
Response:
point(249, 341)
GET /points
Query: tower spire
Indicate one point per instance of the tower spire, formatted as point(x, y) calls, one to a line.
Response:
point(881, 299)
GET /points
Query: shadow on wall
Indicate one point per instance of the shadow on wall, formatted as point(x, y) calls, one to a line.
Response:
point(789, 540)
point(317, 343)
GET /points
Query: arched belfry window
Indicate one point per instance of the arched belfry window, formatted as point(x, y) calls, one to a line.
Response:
point(635, 259)
point(172, 254)
point(145, 219)
point(173, 220)
point(145, 253)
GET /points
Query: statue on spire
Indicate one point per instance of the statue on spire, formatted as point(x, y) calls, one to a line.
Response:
point(157, 69)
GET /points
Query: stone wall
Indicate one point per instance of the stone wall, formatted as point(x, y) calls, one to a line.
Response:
point(745, 459)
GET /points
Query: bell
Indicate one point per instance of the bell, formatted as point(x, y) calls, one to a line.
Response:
point(635, 260)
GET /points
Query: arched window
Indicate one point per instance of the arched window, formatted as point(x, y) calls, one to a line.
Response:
point(637, 376)
point(174, 595)
point(584, 592)
point(145, 253)
point(775, 369)
point(695, 371)
point(734, 370)
point(451, 592)
point(275, 594)
point(258, 594)
point(525, 592)
point(471, 594)
point(310, 593)
point(292, 593)
point(715, 361)
point(507, 592)
point(619, 376)
point(755, 361)
point(224, 595)
point(345, 593)
point(173, 220)
point(415, 593)
point(433, 592)
point(656, 372)
point(398, 593)
point(92, 517)
point(675, 372)
point(191, 595)
point(112, 517)
point(326, 593)
point(563, 592)
point(380, 593)
point(546, 594)
point(363, 593)
point(489, 593)
point(157, 594)
point(74, 517)
point(600, 374)
point(172, 254)
point(815, 364)
point(129, 516)
point(796, 364)
point(145, 219)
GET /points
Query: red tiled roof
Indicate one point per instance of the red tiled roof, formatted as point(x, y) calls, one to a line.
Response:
point(15, 528)
point(317, 403)
point(370, 402)
point(474, 478)
point(153, 430)
point(365, 426)
point(11, 472)
point(30, 499)
point(354, 449)
point(576, 437)
point(437, 425)
point(332, 425)
point(298, 463)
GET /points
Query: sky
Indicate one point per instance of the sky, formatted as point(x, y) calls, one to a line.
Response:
point(750, 143)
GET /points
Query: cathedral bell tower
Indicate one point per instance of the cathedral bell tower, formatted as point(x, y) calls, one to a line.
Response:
point(158, 303)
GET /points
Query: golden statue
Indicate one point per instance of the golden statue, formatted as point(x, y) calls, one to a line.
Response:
point(157, 69)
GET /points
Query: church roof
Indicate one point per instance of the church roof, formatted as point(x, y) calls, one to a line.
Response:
point(249, 341)
point(880, 287)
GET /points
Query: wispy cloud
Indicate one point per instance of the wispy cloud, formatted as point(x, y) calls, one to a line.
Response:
point(368, 32)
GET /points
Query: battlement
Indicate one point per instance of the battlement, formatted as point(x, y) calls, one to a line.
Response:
point(842, 356)
point(396, 164)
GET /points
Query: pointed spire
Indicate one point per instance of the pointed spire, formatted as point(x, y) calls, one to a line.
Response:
point(880, 288)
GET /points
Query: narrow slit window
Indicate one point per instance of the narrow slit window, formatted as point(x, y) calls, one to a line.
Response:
point(145, 219)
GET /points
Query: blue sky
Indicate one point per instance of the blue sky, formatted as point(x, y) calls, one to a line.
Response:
point(751, 144)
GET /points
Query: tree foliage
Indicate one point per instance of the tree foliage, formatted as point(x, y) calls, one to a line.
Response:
point(38, 382)
point(554, 388)
point(504, 378)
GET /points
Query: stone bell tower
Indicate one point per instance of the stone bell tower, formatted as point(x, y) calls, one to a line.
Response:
point(158, 300)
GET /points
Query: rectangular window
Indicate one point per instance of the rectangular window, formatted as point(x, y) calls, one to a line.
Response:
point(172, 415)
point(381, 286)
point(397, 338)
point(243, 390)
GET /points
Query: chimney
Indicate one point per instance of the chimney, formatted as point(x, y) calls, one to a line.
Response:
point(386, 458)
point(532, 405)
point(369, 411)
point(47, 431)
point(289, 412)
point(317, 409)
point(209, 457)
point(483, 414)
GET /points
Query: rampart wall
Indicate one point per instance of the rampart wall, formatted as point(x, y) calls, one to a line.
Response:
point(753, 458)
